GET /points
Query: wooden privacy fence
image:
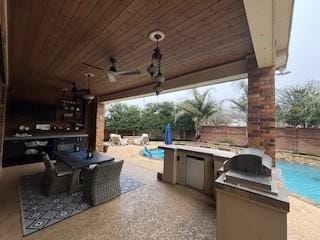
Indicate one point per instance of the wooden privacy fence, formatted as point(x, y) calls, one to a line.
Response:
point(299, 140)
point(155, 135)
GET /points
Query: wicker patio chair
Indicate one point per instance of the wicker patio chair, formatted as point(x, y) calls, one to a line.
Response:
point(57, 176)
point(103, 182)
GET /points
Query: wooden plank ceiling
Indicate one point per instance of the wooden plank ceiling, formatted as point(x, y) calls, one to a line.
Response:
point(48, 40)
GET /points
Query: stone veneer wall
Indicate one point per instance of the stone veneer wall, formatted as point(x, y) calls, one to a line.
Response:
point(261, 107)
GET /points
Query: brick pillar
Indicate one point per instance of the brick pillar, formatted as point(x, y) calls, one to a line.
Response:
point(261, 107)
point(100, 126)
point(95, 124)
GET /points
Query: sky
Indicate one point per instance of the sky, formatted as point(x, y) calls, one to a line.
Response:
point(303, 63)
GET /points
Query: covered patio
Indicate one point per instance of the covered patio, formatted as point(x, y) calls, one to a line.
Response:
point(181, 212)
point(154, 211)
point(55, 78)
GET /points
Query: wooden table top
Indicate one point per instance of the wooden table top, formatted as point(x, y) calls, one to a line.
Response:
point(76, 160)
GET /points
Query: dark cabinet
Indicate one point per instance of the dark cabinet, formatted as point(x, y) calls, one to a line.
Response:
point(16, 152)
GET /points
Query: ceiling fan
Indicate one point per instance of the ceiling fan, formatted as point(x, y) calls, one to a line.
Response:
point(74, 91)
point(112, 71)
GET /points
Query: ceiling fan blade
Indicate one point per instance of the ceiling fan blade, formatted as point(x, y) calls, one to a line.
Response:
point(96, 67)
point(111, 76)
point(128, 72)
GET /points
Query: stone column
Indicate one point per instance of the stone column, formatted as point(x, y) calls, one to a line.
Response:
point(261, 107)
point(95, 124)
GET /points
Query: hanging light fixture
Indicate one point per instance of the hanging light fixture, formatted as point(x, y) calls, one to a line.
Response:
point(157, 89)
point(155, 67)
point(88, 95)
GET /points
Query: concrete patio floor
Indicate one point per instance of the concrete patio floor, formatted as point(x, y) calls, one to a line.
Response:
point(154, 211)
point(303, 218)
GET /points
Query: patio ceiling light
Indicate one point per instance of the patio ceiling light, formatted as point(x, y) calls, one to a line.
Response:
point(155, 67)
point(88, 95)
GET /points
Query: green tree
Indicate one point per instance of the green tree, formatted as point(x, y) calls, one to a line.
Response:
point(300, 105)
point(157, 115)
point(200, 108)
point(123, 117)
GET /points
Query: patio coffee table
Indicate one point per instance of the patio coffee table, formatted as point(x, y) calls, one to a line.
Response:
point(77, 161)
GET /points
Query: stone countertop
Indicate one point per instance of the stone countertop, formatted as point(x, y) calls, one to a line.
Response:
point(48, 135)
point(203, 150)
point(280, 200)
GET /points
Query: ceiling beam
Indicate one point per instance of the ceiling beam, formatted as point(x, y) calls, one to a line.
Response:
point(284, 14)
point(218, 74)
point(260, 20)
point(270, 26)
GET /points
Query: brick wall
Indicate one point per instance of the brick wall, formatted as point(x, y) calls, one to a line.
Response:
point(261, 107)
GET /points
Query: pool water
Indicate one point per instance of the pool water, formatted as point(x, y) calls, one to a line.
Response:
point(301, 179)
point(155, 154)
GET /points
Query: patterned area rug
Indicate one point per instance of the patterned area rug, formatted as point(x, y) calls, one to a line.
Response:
point(39, 211)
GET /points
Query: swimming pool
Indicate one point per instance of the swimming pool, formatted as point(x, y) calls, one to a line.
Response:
point(301, 179)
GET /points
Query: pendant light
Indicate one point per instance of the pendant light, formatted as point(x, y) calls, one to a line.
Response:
point(155, 67)
point(88, 95)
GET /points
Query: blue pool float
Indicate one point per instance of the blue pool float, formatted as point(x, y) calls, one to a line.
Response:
point(146, 152)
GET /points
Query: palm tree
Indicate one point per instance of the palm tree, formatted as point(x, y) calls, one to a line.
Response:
point(241, 103)
point(200, 109)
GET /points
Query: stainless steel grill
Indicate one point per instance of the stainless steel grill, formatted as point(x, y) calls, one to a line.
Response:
point(251, 168)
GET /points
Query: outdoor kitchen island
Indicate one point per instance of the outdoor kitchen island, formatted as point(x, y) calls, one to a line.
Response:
point(194, 167)
point(249, 193)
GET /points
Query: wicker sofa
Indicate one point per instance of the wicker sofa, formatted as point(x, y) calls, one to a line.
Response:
point(103, 182)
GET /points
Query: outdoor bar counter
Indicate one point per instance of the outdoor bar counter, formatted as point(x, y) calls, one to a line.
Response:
point(26, 149)
point(39, 136)
point(194, 167)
